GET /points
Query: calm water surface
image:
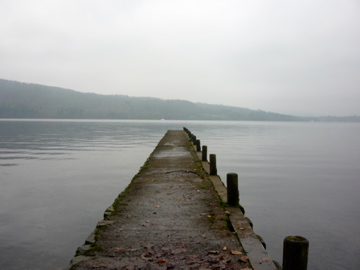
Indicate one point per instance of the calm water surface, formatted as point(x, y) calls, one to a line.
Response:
point(58, 177)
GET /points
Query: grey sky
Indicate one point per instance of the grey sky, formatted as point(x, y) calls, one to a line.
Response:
point(286, 56)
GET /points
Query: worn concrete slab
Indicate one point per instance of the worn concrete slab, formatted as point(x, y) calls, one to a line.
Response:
point(169, 217)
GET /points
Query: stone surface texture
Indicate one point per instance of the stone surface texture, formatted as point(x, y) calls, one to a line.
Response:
point(169, 217)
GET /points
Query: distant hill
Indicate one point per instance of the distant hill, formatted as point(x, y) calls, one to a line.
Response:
point(27, 100)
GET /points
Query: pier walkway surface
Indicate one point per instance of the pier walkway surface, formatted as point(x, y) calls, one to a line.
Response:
point(169, 217)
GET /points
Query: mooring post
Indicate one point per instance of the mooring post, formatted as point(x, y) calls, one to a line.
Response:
point(204, 153)
point(213, 169)
point(194, 140)
point(198, 148)
point(232, 189)
point(295, 253)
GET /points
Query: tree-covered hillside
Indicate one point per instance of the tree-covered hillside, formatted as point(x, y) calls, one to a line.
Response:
point(24, 100)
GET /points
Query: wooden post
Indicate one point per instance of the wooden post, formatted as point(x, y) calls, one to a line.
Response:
point(194, 140)
point(232, 189)
point(295, 253)
point(204, 153)
point(213, 169)
point(198, 149)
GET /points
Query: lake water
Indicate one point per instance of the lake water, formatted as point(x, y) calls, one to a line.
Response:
point(58, 177)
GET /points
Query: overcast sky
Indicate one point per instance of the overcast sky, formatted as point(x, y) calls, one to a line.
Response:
point(286, 56)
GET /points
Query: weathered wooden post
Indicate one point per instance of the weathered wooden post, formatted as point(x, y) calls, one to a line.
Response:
point(194, 140)
point(295, 253)
point(232, 189)
point(198, 148)
point(213, 169)
point(187, 131)
point(204, 153)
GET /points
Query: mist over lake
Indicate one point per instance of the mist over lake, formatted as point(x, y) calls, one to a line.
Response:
point(295, 178)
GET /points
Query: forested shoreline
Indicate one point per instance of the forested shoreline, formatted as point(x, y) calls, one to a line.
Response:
point(28, 100)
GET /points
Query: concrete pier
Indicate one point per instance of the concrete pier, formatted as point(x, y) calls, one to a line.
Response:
point(173, 215)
